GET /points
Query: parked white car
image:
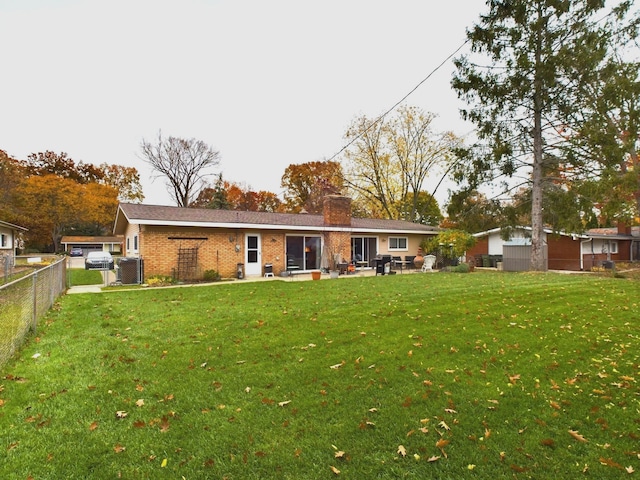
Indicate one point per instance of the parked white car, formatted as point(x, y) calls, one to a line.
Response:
point(98, 261)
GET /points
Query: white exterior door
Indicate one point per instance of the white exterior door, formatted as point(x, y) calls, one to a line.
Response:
point(252, 256)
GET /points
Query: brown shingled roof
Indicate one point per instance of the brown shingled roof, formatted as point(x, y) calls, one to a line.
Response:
point(156, 214)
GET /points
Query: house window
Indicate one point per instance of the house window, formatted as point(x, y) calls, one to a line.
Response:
point(128, 246)
point(135, 243)
point(398, 243)
point(610, 246)
point(3, 240)
point(304, 253)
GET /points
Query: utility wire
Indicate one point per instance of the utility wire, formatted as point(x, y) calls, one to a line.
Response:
point(401, 100)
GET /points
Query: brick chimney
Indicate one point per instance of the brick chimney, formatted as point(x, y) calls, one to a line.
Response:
point(623, 229)
point(337, 211)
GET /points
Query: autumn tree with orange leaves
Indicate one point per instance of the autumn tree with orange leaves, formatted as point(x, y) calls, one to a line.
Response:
point(52, 196)
point(306, 184)
point(224, 195)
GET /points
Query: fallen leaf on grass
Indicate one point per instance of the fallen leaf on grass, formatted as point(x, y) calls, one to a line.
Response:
point(433, 458)
point(577, 436)
point(402, 451)
point(610, 463)
point(139, 402)
point(118, 448)
point(335, 470)
point(282, 404)
point(93, 426)
point(444, 425)
point(164, 425)
point(339, 454)
point(121, 414)
point(629, 469)
point(442, 443)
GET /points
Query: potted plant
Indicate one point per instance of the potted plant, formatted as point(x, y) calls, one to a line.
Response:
point(419, 259)
point(315, 274)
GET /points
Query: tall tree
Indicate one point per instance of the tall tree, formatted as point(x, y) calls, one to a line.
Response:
point(126, 180)
point(51, 206)
point(473, 212)
point(389, 161)
point(12, 173)
point(306, 184)
point(185, 163)
point(541, 53)
point(233, 196)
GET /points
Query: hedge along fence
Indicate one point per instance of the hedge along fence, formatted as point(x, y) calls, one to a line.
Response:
point(24, 301)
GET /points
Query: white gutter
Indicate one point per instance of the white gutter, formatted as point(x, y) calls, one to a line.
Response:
point(258, 226)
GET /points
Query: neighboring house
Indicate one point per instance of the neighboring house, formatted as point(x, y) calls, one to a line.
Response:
point(562, 251)
point(185, 242)
point(618, 244)
point(111, 244)
point(10, 238)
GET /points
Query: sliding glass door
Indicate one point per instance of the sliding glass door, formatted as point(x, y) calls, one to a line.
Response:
point(364, 248)
point(304, 252)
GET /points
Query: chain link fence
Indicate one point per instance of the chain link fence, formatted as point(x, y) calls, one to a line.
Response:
point(24, 301)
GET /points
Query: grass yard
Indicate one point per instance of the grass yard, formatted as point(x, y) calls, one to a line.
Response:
point(79, 276)
point(447, 376)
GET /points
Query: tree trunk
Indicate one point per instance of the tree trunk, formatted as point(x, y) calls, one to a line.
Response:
point(537, 226)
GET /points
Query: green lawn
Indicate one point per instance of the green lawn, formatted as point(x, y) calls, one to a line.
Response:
point(447, 376)
point(84, 277)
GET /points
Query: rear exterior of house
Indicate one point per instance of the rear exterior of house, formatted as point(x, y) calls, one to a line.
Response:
point(185, 242)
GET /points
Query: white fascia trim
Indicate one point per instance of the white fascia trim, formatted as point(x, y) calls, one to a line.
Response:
point(254, 226)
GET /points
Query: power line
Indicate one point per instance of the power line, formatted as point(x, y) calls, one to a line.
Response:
point(401, 100)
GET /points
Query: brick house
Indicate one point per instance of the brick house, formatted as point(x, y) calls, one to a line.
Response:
point(564, 251)
point(186, 242)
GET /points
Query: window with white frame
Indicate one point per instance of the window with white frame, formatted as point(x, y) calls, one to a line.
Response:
point(4, 240)
point(610, 246)
point(398, 243)
point(135, 243)
point(128, 244)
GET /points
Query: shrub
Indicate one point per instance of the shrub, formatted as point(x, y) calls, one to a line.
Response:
point(462, 268)
point(212, 276)
point(160, 281)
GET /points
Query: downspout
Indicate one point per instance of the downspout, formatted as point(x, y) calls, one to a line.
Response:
point(582, 254)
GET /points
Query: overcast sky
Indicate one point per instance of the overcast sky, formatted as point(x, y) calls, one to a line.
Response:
point(268, 83)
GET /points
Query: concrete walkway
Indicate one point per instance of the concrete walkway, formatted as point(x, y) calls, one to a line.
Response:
point(300, 277)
